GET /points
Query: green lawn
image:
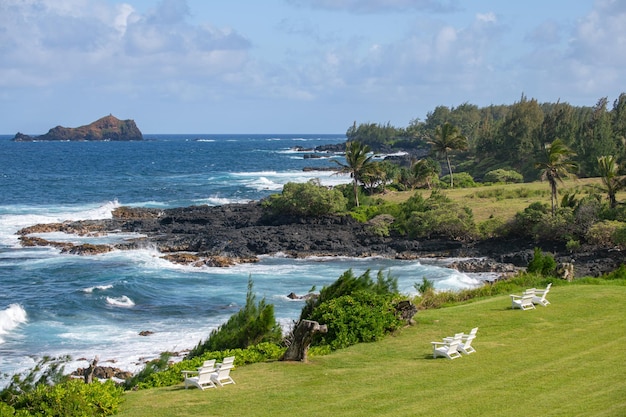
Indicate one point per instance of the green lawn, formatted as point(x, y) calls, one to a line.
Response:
point(567, 359)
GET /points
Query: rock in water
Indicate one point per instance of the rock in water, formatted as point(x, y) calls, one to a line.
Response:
point(108, 128)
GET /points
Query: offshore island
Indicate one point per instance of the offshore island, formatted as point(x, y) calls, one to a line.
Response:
point(108, 128)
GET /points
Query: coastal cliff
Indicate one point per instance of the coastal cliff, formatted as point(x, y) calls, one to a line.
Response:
point(108, 128)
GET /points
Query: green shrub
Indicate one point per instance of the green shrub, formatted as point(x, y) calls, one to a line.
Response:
point(503, 175)
point(542, 264)
point(607, 233)
point(362, 316)
point(253, 324)
point(172, 375)
point(71, 397)
point(426, 286)
point(436, 216)
point(492, 227)
point(309, 199)
point(572, 245)
point(380, 224)
point(461, 180)
point(355, 309)
point(348, 283)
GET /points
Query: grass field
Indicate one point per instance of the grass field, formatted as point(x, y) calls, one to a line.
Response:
point(504, 200)
point(567, 359)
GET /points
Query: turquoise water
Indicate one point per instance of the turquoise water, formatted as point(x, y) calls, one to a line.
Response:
point(57, 304)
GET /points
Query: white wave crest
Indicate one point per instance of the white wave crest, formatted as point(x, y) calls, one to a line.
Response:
point(123, 301)
point(10, 318)
point(20, 218)
point(89, 290)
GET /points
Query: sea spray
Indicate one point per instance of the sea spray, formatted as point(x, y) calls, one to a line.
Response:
point(10, 318)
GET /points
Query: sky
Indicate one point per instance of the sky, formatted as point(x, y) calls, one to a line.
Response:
point(297, 66)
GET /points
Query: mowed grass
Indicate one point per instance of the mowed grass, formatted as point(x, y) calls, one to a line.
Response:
point(567, 359)
point(504, 200)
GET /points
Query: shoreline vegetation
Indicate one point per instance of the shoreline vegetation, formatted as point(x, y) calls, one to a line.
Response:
point(562, 231)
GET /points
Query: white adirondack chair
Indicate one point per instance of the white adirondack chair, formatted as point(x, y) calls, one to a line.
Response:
point(466, 345)
point(203, 380)
point(525, 301)
point(222, 376)
point(464, 336)
point(447, 350)
point(540, 296)
point(228, 362)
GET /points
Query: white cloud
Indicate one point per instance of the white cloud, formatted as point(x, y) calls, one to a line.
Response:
point(376, 6)
point(47, 42)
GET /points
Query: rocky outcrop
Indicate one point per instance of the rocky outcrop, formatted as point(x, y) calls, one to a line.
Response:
point(108, 128)
point(236, 233)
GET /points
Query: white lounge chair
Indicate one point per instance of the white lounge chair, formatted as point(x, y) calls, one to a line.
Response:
point(447, 350)
point(227, 362)
point(466, 345)
point(525, 301)
point(222, 376)
point(203, 380)
point(540, 296)
point(464, 336)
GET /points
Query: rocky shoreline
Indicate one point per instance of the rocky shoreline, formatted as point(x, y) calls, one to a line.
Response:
point(235, 233)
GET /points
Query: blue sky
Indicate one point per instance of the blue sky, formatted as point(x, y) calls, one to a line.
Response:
point(297, 66)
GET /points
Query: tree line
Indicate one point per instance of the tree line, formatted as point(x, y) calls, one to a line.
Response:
point(508, 137)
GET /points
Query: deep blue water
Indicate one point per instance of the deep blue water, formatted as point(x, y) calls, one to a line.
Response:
point(96, 305)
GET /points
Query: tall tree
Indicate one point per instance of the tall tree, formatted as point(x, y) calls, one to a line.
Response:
point(556, 166)
point(358, 162)
point(424, 171)
point(609, 174)
point(448, 138)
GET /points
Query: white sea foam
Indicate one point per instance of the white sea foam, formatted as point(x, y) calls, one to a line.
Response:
point(123, 301)
point(28, 216)
point(10, 318)
point(90, 290)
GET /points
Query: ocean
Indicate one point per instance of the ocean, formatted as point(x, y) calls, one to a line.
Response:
point(85, 306)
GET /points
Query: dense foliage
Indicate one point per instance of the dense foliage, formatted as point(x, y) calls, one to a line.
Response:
point(511, 137)
point(309, 199)
point(171, 374)
point(46, 391)
point(354, 309)
point(542, 264)
point(253, 324)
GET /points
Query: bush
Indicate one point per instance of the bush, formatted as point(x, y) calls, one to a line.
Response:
point(492, 227)
point(355, 309)
point(607, 233)
point(172, 375)
point(461, 180)
point(46, 391)
point(308, 200)
point(253, 324)
point(437, 216)
point(362, 316)
point(503, 175)
point(542, 264)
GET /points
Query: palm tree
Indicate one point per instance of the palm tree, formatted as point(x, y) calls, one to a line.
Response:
point(358, 161)
point(609, 171)
point(556, 167)
point(425, 170)
point(448, 138)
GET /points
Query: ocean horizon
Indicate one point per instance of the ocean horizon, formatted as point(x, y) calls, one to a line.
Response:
point(85, 306)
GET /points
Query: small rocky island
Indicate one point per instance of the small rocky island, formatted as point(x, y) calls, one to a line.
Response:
point(108, 128)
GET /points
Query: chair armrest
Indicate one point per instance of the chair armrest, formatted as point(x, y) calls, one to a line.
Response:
point(515, 296)
point(187, 373)
point(439, 343)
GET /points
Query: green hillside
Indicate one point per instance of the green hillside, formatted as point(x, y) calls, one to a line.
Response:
point(562, 360)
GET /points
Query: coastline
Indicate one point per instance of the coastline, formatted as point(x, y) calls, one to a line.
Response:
point(239, 233)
